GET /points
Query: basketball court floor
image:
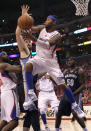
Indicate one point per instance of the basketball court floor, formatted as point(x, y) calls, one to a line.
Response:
point(67, 125)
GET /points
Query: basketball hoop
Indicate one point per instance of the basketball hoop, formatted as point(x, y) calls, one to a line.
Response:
point(81, 7)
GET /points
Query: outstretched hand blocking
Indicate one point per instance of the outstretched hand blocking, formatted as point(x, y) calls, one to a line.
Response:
point(25, 21)
point(25, 9)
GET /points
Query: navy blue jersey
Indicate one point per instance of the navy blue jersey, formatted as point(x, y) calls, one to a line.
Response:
point(71, 78)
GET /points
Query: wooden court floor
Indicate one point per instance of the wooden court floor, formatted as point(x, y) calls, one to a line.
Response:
point(67, 125)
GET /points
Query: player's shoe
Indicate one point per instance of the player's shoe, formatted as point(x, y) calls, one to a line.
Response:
point(31, 98)
point(79, 112)
point(47, 128)
point(29, 105)
point(58, 129)
point(32, 95)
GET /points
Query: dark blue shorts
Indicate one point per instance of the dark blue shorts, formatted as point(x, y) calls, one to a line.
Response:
point(65, 105)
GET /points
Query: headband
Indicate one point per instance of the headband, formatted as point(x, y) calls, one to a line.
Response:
point(53, 18)
point(3, 52)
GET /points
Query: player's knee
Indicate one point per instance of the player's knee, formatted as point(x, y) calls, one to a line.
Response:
point(28, 67)
point(42, 111)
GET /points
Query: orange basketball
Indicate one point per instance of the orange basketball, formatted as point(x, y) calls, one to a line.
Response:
point(25, 22)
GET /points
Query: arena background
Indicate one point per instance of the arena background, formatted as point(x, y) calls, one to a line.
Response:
point(75, 32)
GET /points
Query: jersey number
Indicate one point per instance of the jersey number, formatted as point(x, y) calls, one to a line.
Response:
point(70, 82)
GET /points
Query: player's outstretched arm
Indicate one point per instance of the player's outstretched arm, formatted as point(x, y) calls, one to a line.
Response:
point(37, 28)
point(23, 49)
point(81, 81)
point(20, 41)
point(10, 68)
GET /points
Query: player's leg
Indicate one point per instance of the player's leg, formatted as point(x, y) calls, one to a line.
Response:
point(55, 104)
point(2, 124)
point(29, 85)
point(42, 105)
point(35, 121)
point(32, 67)
point(11, 110)
point(78, 99)
point(43, 117)
point(58, 121)
point(64, 109)
point(57, 75)
point(27, 121)
point(11, 125)
point(80, 121)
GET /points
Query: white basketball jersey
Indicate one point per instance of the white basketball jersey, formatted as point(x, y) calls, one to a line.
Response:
point(7, 81)
point(42, 49)
point(45, 84)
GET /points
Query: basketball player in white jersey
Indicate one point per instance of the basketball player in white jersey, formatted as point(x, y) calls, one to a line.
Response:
point(45, 60)
point(46, 96)
point(9, 105)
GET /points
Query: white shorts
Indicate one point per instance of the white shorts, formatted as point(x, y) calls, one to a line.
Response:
point(45, 98)
point(49, 65)
point(9, 106)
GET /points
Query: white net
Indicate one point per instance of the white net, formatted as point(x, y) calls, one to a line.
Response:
point(81, 7)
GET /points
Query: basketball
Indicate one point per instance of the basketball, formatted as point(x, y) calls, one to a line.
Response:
point(25, 22)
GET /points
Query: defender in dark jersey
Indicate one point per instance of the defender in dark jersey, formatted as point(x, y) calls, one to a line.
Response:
point(75, 79)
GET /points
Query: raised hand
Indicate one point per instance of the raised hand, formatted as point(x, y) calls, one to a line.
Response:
point(25, 9)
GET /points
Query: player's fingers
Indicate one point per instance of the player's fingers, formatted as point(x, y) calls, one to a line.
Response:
point(23, 7)
point(27, 7)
